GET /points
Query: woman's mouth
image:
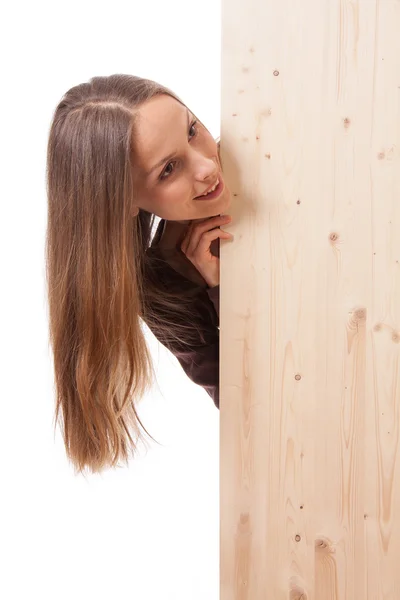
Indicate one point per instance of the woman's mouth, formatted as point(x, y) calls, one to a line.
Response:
point(215, 193)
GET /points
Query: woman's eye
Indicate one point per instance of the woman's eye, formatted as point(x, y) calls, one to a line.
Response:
point(192, 125)
point(173, 162)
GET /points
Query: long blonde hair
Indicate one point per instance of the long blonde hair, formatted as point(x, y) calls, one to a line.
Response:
point(102, 283)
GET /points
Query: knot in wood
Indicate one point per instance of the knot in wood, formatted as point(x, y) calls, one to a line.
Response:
point(323, 544)
point(360, 314)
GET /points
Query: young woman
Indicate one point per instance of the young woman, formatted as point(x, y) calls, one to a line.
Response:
point(121, 151)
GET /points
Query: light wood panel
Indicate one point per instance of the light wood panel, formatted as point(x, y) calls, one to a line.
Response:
point(310, 301)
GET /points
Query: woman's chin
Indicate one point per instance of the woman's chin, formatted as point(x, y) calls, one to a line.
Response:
point(226, 199)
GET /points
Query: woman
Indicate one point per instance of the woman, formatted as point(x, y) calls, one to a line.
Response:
point(121, 151)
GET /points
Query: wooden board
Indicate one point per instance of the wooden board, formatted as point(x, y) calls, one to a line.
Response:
point(310, 301)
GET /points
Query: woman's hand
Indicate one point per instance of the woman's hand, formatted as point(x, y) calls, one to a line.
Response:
point(196, 246)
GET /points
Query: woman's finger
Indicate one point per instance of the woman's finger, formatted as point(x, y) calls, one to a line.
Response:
point(196, 230)
point(198, 248)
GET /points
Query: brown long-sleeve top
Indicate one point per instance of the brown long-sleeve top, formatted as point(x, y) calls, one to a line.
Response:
point(201, 364)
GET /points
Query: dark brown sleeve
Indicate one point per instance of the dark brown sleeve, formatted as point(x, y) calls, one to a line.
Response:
point(202, 367)
point(213, 294)
point(201, 361)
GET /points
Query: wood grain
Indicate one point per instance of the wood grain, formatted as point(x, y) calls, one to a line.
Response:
point(310, 301)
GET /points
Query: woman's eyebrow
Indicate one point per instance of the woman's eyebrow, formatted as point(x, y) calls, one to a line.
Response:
point(169, 155)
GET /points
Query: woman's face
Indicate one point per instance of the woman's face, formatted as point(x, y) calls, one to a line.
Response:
point(176, 160)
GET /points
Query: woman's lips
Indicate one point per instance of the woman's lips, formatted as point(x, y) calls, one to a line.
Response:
point(217, 192)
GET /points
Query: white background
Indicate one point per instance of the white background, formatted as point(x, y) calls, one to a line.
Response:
point(149, 531)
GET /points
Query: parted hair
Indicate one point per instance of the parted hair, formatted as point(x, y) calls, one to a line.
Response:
point(103, 283)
